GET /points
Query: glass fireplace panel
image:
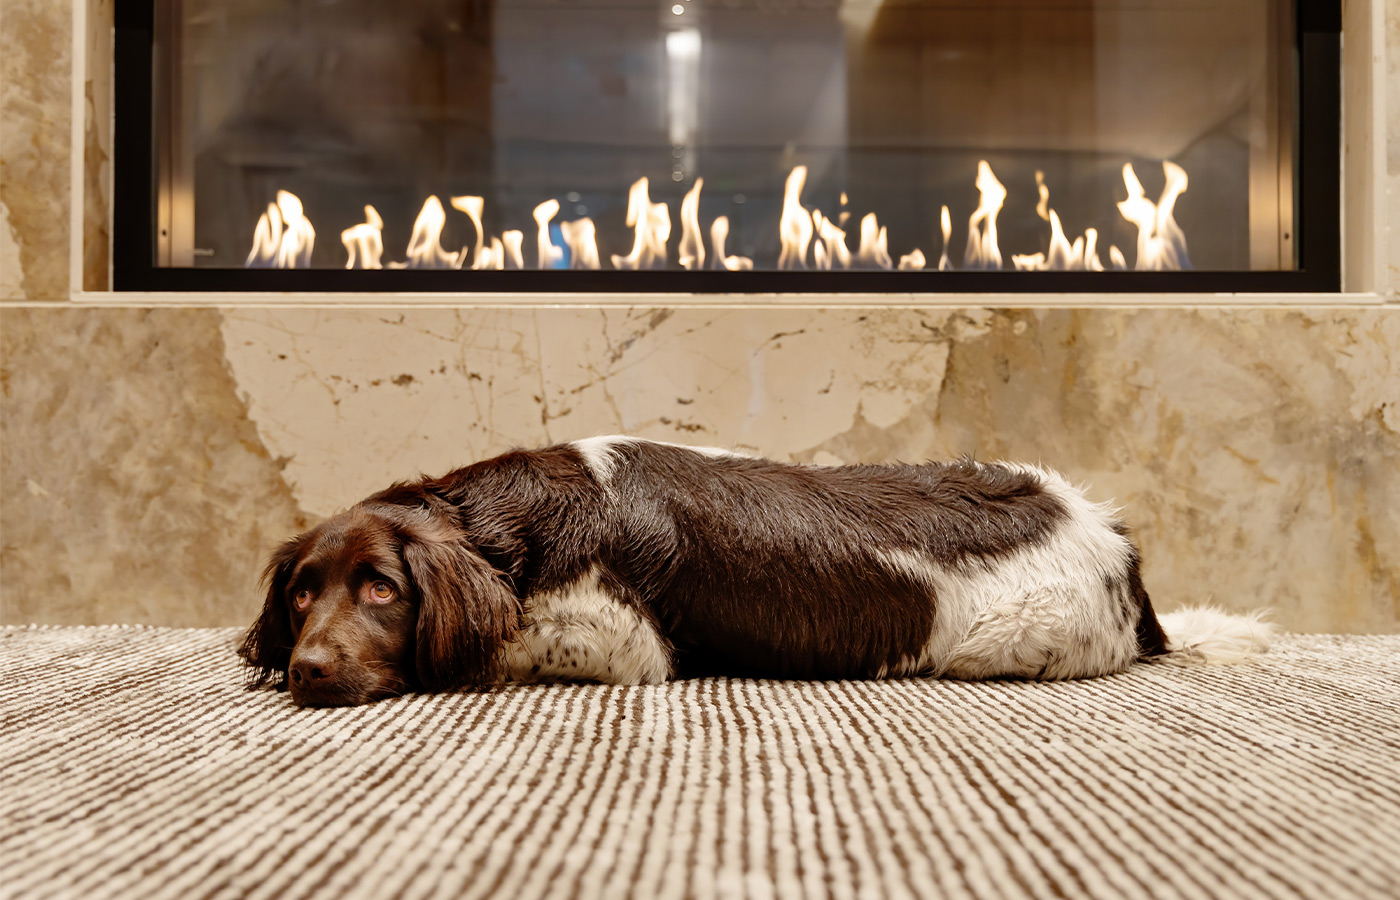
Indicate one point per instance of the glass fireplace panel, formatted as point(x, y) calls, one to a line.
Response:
point(915, 136)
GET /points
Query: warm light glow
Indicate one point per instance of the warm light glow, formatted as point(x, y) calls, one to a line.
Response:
point(473, 206)
point(794, 225)
point(982, 250)
point(1091, 250)
point(514, 241)
point(424, 246)
point(549, 255)
point(1063, 255)
point(1161, 244)
point(830, 250)
point(365, 242)
point(945, 222)
point(283, 237)
point(691, 251)
point(874, 244)
point(652, 224)
point(719, 233)
point(581, 237)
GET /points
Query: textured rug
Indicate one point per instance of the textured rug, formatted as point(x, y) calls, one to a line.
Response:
point(135, 765)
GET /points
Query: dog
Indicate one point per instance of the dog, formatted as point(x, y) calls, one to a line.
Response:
point(628, 561)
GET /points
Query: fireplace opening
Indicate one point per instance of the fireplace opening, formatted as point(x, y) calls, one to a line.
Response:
point(857, 146)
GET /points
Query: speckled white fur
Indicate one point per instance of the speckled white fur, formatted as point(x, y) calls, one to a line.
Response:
point(1042, 611)
point(583, 633)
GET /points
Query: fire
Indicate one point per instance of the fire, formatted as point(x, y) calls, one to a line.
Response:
point(473, 206)
point(719, 233)
point(365, 242)
point(514, 240)
point(1091, 252)
point(913, 260)
point(550, 255)
point(1064, 256)
point(283, 237)
point(832, 249)
point(874, 243)
point(692, 247)
point(490, 252)
point(982, 250)
point(1161, 243)
point(581, 237)
point(794, 225)
point(945, 222)
point(425, 247)
point(652, 222)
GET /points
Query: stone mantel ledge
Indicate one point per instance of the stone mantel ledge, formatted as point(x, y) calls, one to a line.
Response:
point(118, 299)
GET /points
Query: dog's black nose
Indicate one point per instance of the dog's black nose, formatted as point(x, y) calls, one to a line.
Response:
point(313, 669)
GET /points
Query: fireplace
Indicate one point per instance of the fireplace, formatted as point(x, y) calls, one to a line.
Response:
point(728, 146)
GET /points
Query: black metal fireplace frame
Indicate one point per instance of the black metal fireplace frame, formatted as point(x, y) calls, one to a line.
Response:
point(1317, 225)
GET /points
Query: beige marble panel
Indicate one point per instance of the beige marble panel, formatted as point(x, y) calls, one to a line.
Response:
point(132, 486)
point(1255, 451)
point(35, 74)
point(357, 398)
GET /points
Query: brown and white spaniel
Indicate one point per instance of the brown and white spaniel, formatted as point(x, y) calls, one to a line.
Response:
point(627, 561)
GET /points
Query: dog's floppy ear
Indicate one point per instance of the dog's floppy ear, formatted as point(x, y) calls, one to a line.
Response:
point(466, 612)
point(267, 647)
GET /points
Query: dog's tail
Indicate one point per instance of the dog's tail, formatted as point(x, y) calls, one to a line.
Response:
point(1211, 635)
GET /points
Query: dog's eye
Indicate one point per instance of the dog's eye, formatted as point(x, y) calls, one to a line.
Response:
point(303, 599)
point(381, 592)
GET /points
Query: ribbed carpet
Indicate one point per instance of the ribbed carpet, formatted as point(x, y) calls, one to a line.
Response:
point(135, 765)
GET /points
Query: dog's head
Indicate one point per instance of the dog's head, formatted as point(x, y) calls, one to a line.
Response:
point(376, 601)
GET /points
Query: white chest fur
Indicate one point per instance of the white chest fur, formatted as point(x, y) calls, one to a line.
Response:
point(582, 633)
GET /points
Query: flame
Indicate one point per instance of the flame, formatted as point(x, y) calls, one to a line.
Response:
point(283, 237)
point(794, 225)
point(1091, 251)
point(945, 221)
point(514, 240)
point(874, 243)
point(1161, 244)
point(692, 247)
point(832, 249)
point(719, 233)
point(365, 242)
point(473, 206)
point(424, 247)
point(582, 239)
point(550, 255)
point(1063, 256)
point(982, 250)
point(652, 222)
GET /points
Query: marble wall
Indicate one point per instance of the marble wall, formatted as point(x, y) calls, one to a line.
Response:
point(150, 457)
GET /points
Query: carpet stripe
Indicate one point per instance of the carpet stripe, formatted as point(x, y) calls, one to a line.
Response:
point(138, 767)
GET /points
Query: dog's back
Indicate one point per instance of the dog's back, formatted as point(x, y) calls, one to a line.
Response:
point(962, 569)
